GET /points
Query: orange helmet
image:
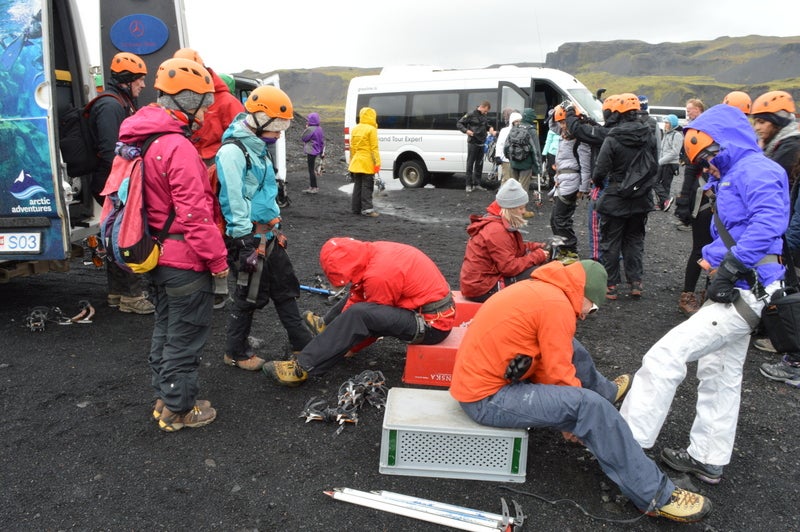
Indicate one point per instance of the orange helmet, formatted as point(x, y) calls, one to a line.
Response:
point(176, 75)
point(271, 101)
point(610, 102)
point(627, 101)
point(560, 114)
point(189, 53)
point(699, 144)
point(127, 67)
point(773, 102)
point(738, 99)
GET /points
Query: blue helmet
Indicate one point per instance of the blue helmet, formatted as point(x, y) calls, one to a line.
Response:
point(642, 102)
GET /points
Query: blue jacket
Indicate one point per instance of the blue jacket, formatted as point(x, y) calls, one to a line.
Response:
point(752, 198)
point(245, 196)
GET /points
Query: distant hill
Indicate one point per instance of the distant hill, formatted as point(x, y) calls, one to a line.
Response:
point(668, 73)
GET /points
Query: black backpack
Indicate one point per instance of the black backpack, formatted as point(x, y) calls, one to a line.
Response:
point(640, 175)
point(518, 144)
point(76, 140)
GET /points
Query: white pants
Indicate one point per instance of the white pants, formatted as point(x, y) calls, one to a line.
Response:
point(717, 338)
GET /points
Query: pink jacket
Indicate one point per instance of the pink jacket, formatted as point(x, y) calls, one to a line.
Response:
point(176, 178)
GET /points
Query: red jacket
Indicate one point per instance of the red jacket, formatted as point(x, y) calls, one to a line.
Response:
point(494, 250)
point(176, 178)
point(386, 273)
point(218, 117)
point(535, 318)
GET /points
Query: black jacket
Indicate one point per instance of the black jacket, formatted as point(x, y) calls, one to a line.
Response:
point(105, 117)
point(478, 123)
point(614, 158)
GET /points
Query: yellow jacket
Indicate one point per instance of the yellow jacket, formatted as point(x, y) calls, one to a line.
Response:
point(364, 154)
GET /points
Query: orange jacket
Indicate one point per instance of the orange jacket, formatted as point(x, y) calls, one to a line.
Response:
point(535, 318)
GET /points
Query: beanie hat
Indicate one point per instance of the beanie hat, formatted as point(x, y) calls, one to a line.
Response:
point(673, 121)
point(596, 281)
point(229, 81)
point(188, 100)
point(511, 194)
point(781, 119)
point(514, 117)
point(125, 77)
point(259, 118)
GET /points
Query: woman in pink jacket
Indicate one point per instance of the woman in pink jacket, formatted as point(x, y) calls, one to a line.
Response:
point(175, 181)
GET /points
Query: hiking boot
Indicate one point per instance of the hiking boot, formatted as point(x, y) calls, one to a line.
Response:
point(783, 371)
point(286, 372)
point(765, 344)
point(311, 190)
point(636, 289)
point(527, 215)
point(314, 323)
point(681, 461)
point(469, 189)
point(253, 363)
point(688, 303)
point(623, 383)
point(159, 407)
point(567, 257)
point(684, 506)
point(680, 226)
point(198, 416)
point(370, 213)
point(136, 305)
point(611, 293)
point(113, 300)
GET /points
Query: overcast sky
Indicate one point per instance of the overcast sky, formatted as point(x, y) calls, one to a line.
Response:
point(266, 35)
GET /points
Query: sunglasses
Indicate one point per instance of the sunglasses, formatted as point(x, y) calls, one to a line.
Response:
point(708, 153)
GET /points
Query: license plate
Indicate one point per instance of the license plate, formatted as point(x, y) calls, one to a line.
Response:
point(24, 243)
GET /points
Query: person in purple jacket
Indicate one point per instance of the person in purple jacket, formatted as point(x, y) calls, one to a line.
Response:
point(751, 213)
point(313, 146)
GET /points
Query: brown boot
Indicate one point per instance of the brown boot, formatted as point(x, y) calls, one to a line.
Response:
point(196, 417)
point(688, 303)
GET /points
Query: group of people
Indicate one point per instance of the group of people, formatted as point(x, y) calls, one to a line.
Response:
point(519, 364)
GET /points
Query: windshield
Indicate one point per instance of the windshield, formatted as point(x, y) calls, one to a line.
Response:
point(588, 102)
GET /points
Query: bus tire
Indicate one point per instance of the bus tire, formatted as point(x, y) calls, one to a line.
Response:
point(412, 174)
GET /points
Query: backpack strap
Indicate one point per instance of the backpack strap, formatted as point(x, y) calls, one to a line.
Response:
point(171, 217)
point(238, 143)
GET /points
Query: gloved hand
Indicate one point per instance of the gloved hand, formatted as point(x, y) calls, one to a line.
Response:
point(376, 168)
point(722, 288)
point(248, 260)
point(498, 160)
point(683, 211)
point(530, 246)
point(539, 256)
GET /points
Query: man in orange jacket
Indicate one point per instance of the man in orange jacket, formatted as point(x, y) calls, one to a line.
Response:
point(519, 366)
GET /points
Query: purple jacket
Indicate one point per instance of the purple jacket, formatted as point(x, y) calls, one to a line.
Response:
point(176, 178)
point(313, 137)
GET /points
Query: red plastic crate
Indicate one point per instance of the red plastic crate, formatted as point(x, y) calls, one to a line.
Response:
point(432, 365)
point(465, 309)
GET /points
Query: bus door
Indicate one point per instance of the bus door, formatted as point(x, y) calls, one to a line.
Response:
point(511, 97)
point(34, 224)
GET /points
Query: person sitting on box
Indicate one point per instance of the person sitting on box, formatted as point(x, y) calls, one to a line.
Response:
point(395, 290)
point(519, 366)
point(496, 254)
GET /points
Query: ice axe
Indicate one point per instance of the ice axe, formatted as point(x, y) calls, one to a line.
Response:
point(323, 291)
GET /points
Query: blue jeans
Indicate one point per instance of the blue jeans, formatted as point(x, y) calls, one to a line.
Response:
point(587, 413)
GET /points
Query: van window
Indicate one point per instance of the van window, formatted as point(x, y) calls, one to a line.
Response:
point(391, 109)
point(433, 110)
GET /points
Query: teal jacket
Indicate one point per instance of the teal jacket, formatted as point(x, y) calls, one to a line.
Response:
point(245, 195)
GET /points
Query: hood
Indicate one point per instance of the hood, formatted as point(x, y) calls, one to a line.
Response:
point(729, 128)
point(344, 260)
point(219, 83)
point(514, 117)
point(313, 119)
point(632, 133)
point(569, 279)
point(367, 115)
point(528, 115)
point(479, 221)
point(148, 121)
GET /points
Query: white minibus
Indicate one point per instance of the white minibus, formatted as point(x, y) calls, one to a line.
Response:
point(418, 108)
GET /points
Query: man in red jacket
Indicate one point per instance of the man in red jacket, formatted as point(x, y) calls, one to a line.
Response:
point(395, 290)
point(519, 366)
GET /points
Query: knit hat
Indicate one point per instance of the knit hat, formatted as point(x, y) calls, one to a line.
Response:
point(672, 120)
point(596, 280)
point(514, 117)
point(190, 101)
point(511, 194)
point(277, 124)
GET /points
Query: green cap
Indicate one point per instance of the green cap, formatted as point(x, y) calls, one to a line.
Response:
point(596, 281)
